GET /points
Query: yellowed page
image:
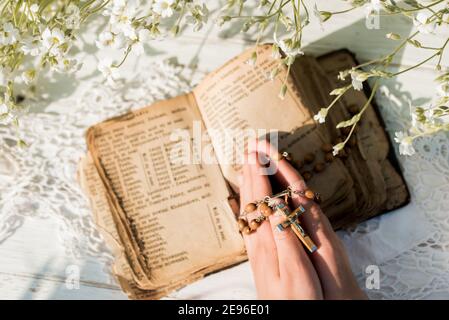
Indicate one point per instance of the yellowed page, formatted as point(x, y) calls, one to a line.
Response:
point(176, 219)
point(93, 188)
point(240, 96)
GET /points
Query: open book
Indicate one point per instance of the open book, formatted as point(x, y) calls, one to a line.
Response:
point(171, 223)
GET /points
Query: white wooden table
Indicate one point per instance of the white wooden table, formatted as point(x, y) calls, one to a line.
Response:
point(33, 262)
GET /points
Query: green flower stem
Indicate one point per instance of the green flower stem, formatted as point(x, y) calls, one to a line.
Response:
point(439, 52)
point(365, 106)
point(128, 50)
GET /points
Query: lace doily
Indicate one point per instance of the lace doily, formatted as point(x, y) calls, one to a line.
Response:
point(422, 271)
point(39, 182)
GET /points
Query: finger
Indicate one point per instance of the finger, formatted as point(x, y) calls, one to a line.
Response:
point(330, 259)
point(289, 249)
point(315, 222)
point(260, 245)
point(245, 185)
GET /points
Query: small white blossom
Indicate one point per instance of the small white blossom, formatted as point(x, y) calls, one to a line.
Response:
point(123, 13)
point(358, 78)
point(34, 8)
point(198, 16)
point(28, 76)
point(67, 65)
point(52, 40)
point(3, 108)
point(73, 18)
point(31, 46)
point(5, 115)
point(9, 34)
point(107, 39)
point(142, 38)
point(29, 11)
point(288, 46)
point(405, 143)
point(321, 115)
point(337, 148)
point(163, 8)
point(109, 71)
point(443, 89)
point(423, 23)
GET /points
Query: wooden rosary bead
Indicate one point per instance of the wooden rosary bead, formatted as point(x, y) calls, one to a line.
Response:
point(327, 147)
point(265, 209)
point(242, 223)
point(309, 194)
point(307, 175)
point(319, 167)
point(254, 224)
point(250, 207)
point(246, 230)
point(329, 157)
point(298, 164)
point(309, 158)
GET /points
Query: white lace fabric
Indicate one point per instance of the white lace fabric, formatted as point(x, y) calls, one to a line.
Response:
point(410, 246)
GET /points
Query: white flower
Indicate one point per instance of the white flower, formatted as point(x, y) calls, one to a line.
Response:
point(143, 36)
point(109, 71)
point(430, 116)
point(198, 16)
point(29, 11)
point(31, 46)
point(28, 76)
point(5, 116)
point(67, 65)
point(52, 40)
point(107, 39)
point(405, 143)
point(34, 8)
point(321, 115)
point(443, 89)
point(118, 6)
point(337, 148)
point(288, 46)
point(9, 35)
point(3, 108)
point(358, 78)
point(423, 23)
point(123, 13)
point(73, 17)
point(163, 8)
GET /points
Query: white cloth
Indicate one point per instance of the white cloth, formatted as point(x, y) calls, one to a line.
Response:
point(410, 246)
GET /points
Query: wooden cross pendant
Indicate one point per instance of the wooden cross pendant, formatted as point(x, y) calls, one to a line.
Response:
point(292, 222)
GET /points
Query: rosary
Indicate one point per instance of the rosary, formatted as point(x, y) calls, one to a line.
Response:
point(268, 205)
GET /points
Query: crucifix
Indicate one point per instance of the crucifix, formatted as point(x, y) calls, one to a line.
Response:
point(292, 222)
